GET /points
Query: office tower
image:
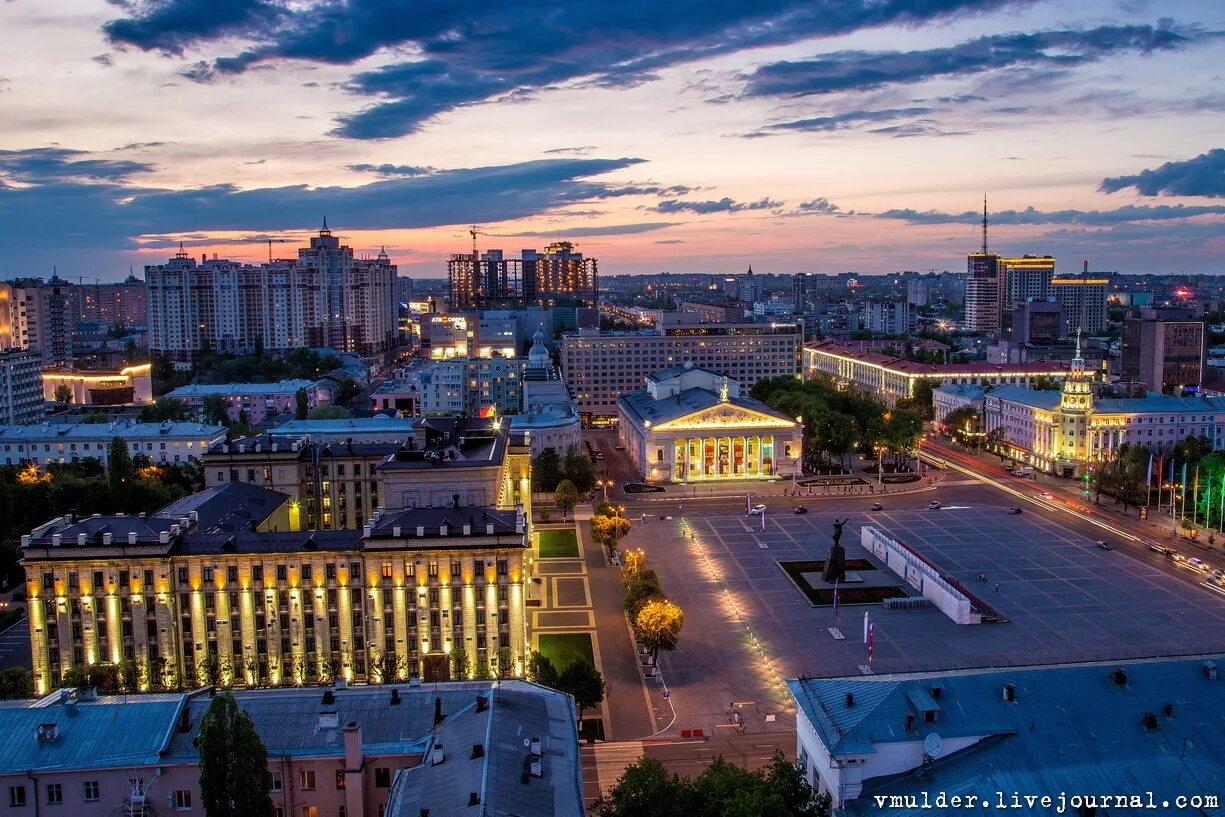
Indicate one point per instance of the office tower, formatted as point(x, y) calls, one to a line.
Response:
point(324, 298)
point(1163, 349)
point(1023, 279)
point(1083, 299)
point(1038, 322)
point(982, 292)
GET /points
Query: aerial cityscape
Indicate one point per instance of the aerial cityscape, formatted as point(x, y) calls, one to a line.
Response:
point(626, 410)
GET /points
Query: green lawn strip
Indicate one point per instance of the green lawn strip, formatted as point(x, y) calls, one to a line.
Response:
point(562, 648)
point(557, 544)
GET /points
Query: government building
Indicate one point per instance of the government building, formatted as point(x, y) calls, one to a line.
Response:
point(693, 425)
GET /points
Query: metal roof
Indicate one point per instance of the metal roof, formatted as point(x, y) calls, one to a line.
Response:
point(640, 405)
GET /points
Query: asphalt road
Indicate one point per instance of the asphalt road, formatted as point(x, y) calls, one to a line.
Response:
point(15, 645)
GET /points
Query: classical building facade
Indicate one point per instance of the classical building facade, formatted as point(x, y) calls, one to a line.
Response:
point(693, 425)
point(888, 379)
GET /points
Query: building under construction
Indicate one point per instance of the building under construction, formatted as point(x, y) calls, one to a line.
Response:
point(490, 279)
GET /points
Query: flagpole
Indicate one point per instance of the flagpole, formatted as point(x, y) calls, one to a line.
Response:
point(1194, 499)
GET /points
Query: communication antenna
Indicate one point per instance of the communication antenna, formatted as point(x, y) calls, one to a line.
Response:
point(984, 223)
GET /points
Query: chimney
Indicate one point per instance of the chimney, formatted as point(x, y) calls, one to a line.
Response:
point(395, 696)
point(909, 721)
point(467, 530)
point(850, 699)
point(395, 531)
point(184, 719)
point(535, 747)
point(489, 528)
point(56, 539)
point(81, 538)
point(1168, 710)
point(1119, 676)
point(1149, 721)
point(536, 767)
point(437, 755)
point(482, 703)
point(474, 799)
point(163, 537)
point(421, 530)
point(328, 719)
point(353, 745)
point(1010, 693)
point(437, 711)
point(48, 732)
point(1210, 670)
point(107, 538)
point(131, 537)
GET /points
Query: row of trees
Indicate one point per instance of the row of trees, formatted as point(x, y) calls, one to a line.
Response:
point(656, 619)
point(549, 468)
point(579, 679)
point(608, 527)
point(260, 367)
point(838, 423)
point(779, 789)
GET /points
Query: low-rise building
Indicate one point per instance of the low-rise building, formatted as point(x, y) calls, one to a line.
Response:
point(129, 385)
point(948, 399)
point(67, 442)
point(693, 425)
point(888, 379)
point(895, 742)
point(258, 401)
point(358, 751)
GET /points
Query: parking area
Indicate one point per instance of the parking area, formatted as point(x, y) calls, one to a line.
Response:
point(747, 626)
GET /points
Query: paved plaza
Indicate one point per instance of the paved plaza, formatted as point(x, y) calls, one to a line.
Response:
point(747, 626)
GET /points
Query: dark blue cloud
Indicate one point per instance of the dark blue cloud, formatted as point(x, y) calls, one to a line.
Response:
point(723, 205)
point(61, 211)
point(862, 70)
point(840, 121)
point(1122, 215)
point(1202, 176)
point(486, 49)
point(390, 170)
point(819, 205)
point(45, 165)
point(587, 232)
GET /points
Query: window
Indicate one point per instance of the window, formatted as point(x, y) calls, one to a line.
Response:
point(276, 781)
point(17, 796)
point(231, 573)
point(257, 573)
point(307, 779)
point(382, 778)
point(282, 573)
point(182, 799)
point(306, 573)
point(207, 574)
point(91, 791)
point(310, 811)
point(340, 778)
point(386, 570)
point(55, 794)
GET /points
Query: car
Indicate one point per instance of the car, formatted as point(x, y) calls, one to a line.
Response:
point(641, 488)
point(1217, 575)
point(1197, 563)
point(934, 505)
point(876, 506)
point(757, 510)
point(599, 455)
point(1044, 495)
point(1157, 549)
point(1104, 545)
point(1014, 510)
point(800, 509)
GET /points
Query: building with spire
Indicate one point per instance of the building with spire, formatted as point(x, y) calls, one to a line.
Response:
point(325, 297)
point(1066, 432)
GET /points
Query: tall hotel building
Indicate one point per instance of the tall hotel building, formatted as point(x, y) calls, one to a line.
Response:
point(324, 298)
point(603, 367)
point(490, 279)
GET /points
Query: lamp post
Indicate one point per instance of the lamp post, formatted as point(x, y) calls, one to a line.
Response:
point(604, 483)
point(799, 462)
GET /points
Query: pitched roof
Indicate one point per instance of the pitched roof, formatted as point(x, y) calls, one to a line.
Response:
point(640, 405)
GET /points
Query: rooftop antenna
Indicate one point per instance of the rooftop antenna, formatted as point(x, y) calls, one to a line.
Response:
point(984, 223)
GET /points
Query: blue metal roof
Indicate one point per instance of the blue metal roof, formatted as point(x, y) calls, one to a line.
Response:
point(90, 735)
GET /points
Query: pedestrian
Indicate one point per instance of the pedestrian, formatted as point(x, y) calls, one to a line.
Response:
point(997, 587)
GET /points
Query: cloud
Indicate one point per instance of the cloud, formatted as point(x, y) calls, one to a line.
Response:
point(863, 70)
point(670, 241)
point(820, 205)
point(468, 53)
point(586, 232)
point(841, 121)
point(73, 203)
point(723, 205)
point(48, 165)
point(390, 170)
point(104, 59)
point(1202, 176)
point(581, 150)
point(1122, 215)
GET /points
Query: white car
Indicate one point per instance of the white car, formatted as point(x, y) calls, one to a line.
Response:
point(933, 505)
point(757, 510)
point(1045, 495)
point(1198, 564)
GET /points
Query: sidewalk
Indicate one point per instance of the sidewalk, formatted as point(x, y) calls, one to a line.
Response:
point(629, 715)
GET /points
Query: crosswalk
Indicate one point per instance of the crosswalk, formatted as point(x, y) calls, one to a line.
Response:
point(604, 763)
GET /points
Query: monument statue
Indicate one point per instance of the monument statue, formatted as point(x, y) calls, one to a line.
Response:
point(835, 562)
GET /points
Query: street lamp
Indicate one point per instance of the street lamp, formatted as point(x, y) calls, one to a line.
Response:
point(799, 459)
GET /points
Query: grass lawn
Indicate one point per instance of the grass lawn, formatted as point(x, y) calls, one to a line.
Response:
point(557, 544)
point(562, 648)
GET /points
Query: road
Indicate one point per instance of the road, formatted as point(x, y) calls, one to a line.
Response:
point(15, 645)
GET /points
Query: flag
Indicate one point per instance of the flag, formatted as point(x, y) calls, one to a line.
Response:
point(835, 598)
point(1149, 479)
point(871, 639)
point(748, 503)
point(763, 521)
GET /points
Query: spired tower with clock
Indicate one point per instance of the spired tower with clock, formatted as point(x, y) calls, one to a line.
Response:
point(1075, 408)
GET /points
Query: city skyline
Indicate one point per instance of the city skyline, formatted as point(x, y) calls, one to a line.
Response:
point(796, 137)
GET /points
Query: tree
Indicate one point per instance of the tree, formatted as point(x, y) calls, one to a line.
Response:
point(63, 393)
point(122, 472)
point(459, 664)
point(609, 530)
point(541, 670)
point(579, 469)
point(565, 497)
point(166, 408)
point(234, 776)
point(215, 410)
point(635, 562)
point(347, 390)
point(646, 790)
point(329, 413)
point(642, 586)
point(584, 682)
point(16, 682)
point(658, 625)
point(302, 402)
point(546, 470)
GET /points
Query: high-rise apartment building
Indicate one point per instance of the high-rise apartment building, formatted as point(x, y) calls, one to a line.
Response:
point(603, 367)
point(41, 315)
point(118, 303)
point(982, 298)
point(889, 317)
point(324, 298)
point(1083, 298)
point(21, 387)
point(1023, 279)
point(490, 279)
point(1163, 349)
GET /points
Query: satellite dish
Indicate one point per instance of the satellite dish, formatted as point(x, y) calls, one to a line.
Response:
point(933, 745)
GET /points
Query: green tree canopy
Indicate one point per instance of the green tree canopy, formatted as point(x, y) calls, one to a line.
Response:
point(234, 776)
point(584, 682)
point(215, 410)
point(302, 404)
point(546, 470)
point(329, 413)
point(565, 497)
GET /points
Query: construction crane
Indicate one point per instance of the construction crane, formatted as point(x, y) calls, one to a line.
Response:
point(474, 231)
point(278, 241)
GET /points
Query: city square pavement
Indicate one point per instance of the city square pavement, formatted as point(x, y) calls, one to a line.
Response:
point(747, 627)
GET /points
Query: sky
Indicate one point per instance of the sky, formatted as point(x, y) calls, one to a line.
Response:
point(688, 136)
